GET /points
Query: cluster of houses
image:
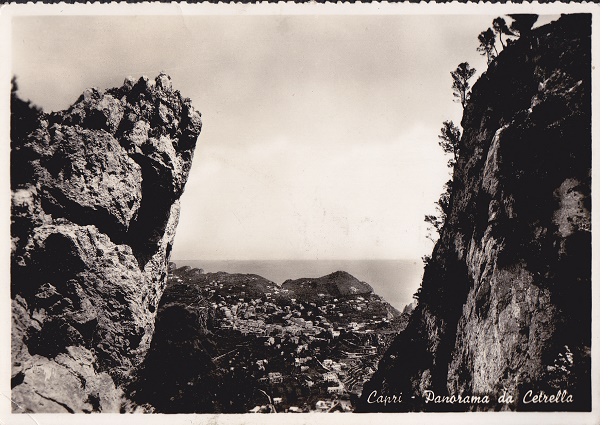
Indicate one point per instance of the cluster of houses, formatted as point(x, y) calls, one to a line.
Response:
point(231, 302)
point(321, 406)
point(264, 318)
point(277, 320)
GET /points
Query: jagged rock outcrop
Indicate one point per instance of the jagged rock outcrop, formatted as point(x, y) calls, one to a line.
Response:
point(95, 204)
point(505, 302)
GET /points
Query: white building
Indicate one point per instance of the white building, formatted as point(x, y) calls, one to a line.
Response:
point(336, 390)
point(322, 405)
point(275, 377)
point(330, 377)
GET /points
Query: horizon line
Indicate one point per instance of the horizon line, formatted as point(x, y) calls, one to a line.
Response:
point(302, 259)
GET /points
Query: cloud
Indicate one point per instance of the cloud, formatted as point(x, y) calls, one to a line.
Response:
point(319, 132)
point(313, 201)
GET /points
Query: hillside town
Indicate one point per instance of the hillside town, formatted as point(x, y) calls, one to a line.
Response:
point(308, 352)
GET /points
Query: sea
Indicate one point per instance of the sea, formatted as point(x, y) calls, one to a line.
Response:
point(394, 280)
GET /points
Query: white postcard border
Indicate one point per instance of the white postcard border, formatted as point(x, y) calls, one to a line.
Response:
point(7, 12)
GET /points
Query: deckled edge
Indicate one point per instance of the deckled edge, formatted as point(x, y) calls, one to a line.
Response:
point(9, 10)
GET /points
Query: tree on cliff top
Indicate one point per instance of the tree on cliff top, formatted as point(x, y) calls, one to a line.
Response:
point(461, 86)
point(500, 27)
point(487, 45)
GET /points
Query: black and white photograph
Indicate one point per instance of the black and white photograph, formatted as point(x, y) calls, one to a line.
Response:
point(218, 212)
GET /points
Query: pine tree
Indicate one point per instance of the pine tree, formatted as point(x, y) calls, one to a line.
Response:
point(450, 136)
point(461, 86)
point(487, 45)
point(501, 27)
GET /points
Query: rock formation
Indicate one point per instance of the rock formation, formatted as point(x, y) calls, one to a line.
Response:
point(505, 302)
point(95, 203)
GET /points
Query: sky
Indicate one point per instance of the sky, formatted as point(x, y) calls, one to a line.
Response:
point(319, 136)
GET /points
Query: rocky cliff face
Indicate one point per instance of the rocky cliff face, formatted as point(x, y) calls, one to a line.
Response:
point(95, 204)
point(505, 302)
